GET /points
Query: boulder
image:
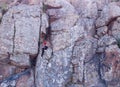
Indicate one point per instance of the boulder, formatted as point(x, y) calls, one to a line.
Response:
point(27, 25)
point(108, 14)
point(112, 66)
point(116, 29)
point(86, 8)
point(22, 25)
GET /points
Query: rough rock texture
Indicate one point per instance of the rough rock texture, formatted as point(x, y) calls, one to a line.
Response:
point(112, 73)
point(115, 29)
point(108, 14)
point(82, 37)
point(20, 60)
point(17, 80)
point(19, 40)
point(26, 80)
point(6, 70)
point(7, 33)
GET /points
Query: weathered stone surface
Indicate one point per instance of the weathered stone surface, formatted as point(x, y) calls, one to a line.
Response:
point(86, 8)
point(91, 76)
point(108, 14)
point(83, 52)
point(74, 85)
point(16, 79)
point(27, 25)
point(67, 37)
point(116, 29)
point(11, 84)
point(66, 15)
point(102, 31)
point(26, 80)
point(112, 62)
point(102, 3)
point(34, 1)
point(106, 40)
point(19, 36)
point(55, 71)
point(20, 60)
point(67, 19)
point(44, 23)
point(68, 34)
point(6, 70)
point(4, 58)
point(73, 58)
point(100, 49)
point(7, 33)
point(18, 33)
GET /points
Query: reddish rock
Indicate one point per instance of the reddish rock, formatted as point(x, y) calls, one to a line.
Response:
point(112, 64)
point(106, 40)
point(6, 70)
point(26, 80)
point(86, 8)
point(115, 30)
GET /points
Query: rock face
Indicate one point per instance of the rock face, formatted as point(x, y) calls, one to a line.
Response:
point(82, 39)
point(20, 28)
point(111, 74)
point(108, 14)
point(115, 29)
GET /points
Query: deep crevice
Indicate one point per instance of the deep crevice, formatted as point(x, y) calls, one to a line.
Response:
point(3, 11)
point(83, 79)
point(14, 34)
point(34, 60)
point(110, 23)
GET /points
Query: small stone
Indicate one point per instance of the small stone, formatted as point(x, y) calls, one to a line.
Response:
point(102, 31)
point(96, 36)
point(118, 19)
